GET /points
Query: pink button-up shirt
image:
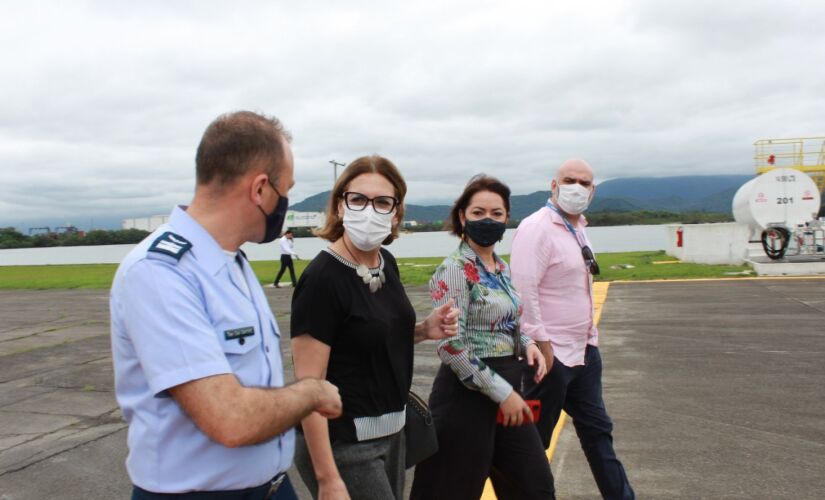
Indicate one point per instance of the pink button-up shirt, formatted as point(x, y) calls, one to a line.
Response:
point(554, 284)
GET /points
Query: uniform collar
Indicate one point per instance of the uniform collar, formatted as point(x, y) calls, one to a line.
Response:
point(204, 247)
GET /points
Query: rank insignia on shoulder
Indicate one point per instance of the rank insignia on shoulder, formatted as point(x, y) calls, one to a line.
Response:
point(171, 244)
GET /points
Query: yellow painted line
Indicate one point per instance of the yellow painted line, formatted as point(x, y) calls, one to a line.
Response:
point(667, 262)
point(556, 433)
point(599, 297)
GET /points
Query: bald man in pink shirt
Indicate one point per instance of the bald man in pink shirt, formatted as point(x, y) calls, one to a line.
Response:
point(553, 266)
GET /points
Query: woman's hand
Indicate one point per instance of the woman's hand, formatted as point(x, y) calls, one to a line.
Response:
point(514, 410)
point(535, 357)
point(332, 489)
point(546, 349)
point(440, 324)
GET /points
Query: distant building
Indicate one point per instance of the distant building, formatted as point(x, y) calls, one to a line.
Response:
point(409, 223)
point(145, 223)
point(293, 219)
point(304, 219)
point(68, 230)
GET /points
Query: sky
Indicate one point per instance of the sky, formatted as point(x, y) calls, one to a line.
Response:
point(103, 103)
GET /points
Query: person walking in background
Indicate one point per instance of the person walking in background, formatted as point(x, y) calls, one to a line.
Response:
point(197, 363)
point(287, 245)
point(481, 369)
point(353, 324)
point(553, 267)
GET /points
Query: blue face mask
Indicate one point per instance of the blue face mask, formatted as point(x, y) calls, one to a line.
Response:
point(275, 220)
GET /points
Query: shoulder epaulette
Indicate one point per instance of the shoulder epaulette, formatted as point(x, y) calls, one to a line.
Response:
point(171, 244)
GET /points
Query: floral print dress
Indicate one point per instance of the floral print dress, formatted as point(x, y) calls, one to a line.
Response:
point(488, 321)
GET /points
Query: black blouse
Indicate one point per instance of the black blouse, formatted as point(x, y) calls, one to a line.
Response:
point(370, 335)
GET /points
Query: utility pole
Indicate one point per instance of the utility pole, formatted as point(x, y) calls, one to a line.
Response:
point(335, 166)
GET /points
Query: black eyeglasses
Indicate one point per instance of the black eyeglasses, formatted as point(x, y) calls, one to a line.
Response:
point(381, 204)
point(590, 260)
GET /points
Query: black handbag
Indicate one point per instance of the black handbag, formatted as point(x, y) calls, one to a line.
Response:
point(419, 431)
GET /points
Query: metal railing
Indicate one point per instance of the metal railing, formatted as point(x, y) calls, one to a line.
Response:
point(806, 154)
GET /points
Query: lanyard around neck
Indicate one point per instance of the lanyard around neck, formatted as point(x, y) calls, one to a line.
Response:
point(505, 285)
point(566, 223)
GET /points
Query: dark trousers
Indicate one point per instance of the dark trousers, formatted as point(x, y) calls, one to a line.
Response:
point(471, 445)
point(285, 491)
point(578, 391)
point(286, 262)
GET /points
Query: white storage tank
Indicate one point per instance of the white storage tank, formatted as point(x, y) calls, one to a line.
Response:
point(782, 196)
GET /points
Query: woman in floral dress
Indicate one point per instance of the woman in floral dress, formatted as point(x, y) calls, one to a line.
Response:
point(481, 368)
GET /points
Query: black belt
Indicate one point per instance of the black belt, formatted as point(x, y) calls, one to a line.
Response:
point(262, 492)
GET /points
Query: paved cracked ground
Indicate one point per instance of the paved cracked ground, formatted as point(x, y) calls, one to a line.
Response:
point(715, 389)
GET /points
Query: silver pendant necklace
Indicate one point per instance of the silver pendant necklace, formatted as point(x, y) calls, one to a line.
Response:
point(374, 280)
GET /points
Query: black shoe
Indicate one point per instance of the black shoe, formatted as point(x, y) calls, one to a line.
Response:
point(277, 285)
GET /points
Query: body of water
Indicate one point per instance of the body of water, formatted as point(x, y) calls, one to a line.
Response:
point(434, 244)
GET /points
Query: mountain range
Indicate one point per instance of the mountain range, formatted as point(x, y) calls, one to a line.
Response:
point(690, 193)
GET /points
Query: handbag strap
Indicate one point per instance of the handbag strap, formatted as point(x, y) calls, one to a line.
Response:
point(418, 405)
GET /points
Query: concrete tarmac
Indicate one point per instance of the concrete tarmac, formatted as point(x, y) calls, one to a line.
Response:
point(715, 389)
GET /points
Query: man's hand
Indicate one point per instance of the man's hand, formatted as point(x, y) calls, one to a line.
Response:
point(328, 401)
point(546, 349)
point(536, 358)
point(442, 322)
point(514, 410)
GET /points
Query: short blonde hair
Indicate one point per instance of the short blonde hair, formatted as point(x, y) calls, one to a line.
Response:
point(334, 225)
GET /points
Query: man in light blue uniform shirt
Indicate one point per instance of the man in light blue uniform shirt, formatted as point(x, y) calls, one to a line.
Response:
point(198, 369)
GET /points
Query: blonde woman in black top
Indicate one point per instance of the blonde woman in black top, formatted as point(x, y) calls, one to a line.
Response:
point(353, 324)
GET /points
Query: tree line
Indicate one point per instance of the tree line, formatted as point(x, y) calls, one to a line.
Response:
point(655, 217)
point(642, 217)
point(11, 238)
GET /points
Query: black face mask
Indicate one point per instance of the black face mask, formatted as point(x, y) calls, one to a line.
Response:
point(484, 232)
point(275, 220)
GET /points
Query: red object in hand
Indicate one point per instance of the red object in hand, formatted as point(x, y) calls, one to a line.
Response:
point(535, 408)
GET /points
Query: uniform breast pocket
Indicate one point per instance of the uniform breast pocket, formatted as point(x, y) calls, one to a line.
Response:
point(239, 339)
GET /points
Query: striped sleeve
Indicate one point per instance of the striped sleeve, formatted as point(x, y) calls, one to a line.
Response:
point(525, 342)
point(450, 282)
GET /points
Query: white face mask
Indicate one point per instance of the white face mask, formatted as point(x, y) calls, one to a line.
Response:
point(573, 198)
point(367, 228)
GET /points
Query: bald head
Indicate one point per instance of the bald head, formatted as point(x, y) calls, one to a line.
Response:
point(575, 168)
point(575, 178)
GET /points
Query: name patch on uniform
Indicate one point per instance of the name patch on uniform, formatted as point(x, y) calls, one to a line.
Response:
point(239, 333)
point(171, 244)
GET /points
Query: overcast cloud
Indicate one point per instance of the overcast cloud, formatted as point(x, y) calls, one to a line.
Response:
point(104, 102)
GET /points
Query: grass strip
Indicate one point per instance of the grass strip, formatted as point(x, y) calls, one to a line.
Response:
point(414, 271)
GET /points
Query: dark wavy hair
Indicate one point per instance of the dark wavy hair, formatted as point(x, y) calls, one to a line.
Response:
point(476, 184)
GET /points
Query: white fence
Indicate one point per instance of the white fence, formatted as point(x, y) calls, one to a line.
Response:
point(721, 243)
